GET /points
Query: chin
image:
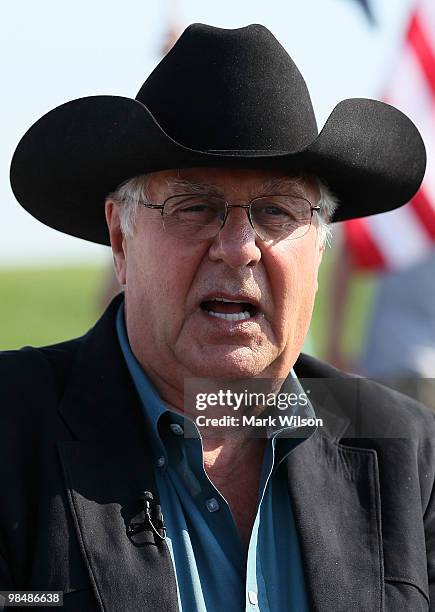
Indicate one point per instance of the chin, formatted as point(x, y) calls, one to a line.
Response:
point(230, 362)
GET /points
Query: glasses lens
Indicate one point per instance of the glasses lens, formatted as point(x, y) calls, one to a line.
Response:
point(278, 217)
point(195, 217)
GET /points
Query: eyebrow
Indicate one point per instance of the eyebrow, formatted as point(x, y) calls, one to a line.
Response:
point(271, 186)
point(179, 186)
point(284, 185)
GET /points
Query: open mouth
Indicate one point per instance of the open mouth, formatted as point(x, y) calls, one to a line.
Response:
point(229, 310)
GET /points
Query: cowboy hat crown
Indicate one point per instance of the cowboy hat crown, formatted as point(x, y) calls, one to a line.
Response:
point(224, 84)
point(219, 98)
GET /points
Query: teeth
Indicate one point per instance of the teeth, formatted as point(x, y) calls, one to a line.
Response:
point(233, 316)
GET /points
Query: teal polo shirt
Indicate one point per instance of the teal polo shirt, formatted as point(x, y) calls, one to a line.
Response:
point(213, 571)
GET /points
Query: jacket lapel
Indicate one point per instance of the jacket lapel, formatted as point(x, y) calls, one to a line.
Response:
point(106, 468)
point(336, 500)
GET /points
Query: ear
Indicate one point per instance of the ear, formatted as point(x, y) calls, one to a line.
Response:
point(117, 241)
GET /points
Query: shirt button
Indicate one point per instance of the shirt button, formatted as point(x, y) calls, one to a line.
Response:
point(212, 504)
point(176, 429)
point(253, 599)
point(161, 462)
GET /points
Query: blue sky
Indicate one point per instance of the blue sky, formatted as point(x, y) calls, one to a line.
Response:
point(54, 51)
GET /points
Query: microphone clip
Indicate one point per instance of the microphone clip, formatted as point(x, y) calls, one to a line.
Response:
point(153, 517)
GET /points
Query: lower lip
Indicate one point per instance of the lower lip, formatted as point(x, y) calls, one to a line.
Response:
point(227, 325)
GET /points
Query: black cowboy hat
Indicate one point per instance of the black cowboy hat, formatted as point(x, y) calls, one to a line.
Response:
point(219, 98)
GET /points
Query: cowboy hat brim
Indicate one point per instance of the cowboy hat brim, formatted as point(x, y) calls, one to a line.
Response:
point(370, 155)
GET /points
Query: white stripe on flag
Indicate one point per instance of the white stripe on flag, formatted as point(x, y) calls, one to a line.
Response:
point(409, 90)
point(426, 17)
point(400, 237)
point(429, 182)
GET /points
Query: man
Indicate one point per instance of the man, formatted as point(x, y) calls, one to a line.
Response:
point(217, 187)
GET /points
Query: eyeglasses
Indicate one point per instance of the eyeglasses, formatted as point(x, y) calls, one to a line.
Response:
point(201, 217)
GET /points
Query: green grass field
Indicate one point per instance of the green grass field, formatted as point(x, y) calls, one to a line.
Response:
point(47, 305)
point(42, 306)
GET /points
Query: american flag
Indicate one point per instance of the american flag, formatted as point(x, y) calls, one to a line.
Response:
point(403, 237)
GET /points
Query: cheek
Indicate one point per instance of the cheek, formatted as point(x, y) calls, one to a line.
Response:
point(294, 285)
point(158, 281)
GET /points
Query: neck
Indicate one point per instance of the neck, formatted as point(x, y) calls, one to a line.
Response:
point(234, 467)
point(226, 458)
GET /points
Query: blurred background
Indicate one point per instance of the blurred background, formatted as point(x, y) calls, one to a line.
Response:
point(375, 312)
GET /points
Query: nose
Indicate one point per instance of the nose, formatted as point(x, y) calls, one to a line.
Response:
point(236, 244)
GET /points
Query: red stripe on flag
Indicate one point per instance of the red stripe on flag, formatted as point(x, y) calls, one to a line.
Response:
point(424, 211)
point(423, 50)
point(361, 246)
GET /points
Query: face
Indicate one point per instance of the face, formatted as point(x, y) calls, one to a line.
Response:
point(174, 287)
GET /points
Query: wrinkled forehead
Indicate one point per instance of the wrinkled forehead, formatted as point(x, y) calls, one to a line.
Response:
point(229, 182)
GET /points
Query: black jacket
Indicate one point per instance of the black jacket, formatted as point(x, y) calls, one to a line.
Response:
point(74, 458)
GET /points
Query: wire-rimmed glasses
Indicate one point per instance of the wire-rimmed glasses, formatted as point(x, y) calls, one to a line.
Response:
point(202, 216)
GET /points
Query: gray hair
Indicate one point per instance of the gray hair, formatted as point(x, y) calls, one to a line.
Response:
point(328, 203)
point(130, 194)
